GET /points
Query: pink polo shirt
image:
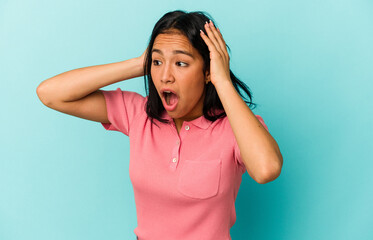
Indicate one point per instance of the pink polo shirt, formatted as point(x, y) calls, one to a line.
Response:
point(185, 185)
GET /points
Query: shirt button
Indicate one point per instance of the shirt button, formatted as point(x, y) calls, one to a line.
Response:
point(174, 160)
point(187, 127)
point(178, 142)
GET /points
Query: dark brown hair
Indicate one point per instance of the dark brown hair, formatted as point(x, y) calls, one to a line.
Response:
point(188, 24)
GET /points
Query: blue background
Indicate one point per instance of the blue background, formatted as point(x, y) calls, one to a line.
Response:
point(308, 63)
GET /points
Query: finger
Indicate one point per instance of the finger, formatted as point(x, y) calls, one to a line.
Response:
point(223, 43)
point(213, 39)
point(222, 48)
point(218, 37)
point(212, 36)
point(208, 42)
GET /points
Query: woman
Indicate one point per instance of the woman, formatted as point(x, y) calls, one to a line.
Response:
point(191, 138)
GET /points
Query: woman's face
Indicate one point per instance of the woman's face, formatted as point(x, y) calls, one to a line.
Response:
point(177, 67)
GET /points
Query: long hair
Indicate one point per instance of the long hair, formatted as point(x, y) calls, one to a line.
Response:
point(188, 24)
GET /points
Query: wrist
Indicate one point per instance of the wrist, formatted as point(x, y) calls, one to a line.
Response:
point(221, 85)
point(138, 66)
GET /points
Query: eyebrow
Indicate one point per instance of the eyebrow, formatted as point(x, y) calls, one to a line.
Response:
point(174, 52)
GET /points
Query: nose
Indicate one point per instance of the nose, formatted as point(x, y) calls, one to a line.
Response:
point(167, 74)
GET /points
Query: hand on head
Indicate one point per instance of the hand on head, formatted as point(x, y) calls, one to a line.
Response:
point(219, 57)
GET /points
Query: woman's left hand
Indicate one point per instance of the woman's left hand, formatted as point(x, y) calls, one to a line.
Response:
point(219, 57)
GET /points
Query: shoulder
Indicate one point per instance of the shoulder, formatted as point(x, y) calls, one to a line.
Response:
point(124, 94)
point(127, 98)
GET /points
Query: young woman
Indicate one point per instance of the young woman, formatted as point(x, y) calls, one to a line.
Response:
point(191, 138)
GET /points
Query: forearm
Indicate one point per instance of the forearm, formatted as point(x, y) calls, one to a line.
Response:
point(259, 151)
point(78, 83)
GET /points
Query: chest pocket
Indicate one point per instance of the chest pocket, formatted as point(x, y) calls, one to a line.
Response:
point(200, 179)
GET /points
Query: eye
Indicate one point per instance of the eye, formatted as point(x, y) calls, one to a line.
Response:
point(156, 62)
point(181, 64)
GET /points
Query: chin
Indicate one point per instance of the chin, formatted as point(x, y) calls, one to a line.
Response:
point(174, 114)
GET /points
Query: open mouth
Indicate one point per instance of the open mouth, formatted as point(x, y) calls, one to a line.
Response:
point(170, 100)
point(170, 97)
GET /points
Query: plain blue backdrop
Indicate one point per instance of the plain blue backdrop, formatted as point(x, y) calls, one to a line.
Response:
point(309, 65)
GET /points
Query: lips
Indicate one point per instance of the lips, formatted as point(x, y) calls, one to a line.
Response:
point(169, 98)
point(165, 90)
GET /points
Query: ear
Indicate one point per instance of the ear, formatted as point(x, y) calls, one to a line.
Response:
point(207, 77)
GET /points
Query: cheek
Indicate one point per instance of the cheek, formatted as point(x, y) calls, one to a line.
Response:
point(155, 78)
point(196, 90)
point(152, 73)
point(198, 82)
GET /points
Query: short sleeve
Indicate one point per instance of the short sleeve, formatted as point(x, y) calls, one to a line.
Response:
point(122, 108)
point(237, 152)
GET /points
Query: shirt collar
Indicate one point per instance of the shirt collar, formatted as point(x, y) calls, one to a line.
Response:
point(200, 122)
